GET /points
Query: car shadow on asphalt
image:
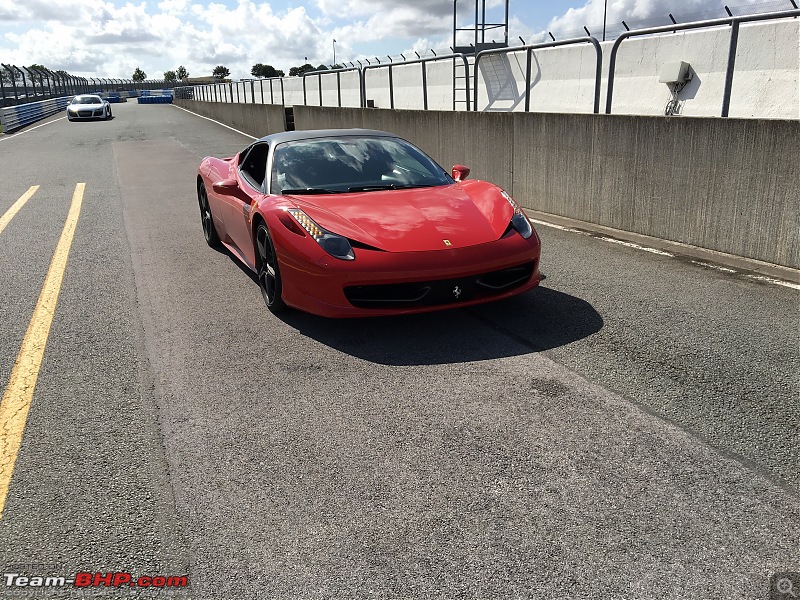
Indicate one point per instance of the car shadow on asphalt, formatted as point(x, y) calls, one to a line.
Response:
point(535, 321)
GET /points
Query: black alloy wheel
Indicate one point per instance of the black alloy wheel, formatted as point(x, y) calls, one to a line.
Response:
point(269, 275)
point(209, 231)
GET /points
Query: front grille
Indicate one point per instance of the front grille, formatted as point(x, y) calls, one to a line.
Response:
point(443, 291)
point(84, 113)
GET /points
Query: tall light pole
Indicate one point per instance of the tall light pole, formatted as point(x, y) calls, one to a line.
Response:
point(334, 51)
point(605, 12)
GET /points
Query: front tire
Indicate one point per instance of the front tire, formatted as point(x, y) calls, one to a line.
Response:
point(207, 220)
point(269, 275)
point(108, 114)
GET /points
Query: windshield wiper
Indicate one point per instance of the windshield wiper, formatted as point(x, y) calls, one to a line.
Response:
point(389, 186)
point(372, 188)
point(308, 191)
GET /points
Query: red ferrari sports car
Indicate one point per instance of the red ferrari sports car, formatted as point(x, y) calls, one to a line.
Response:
point(354, 222)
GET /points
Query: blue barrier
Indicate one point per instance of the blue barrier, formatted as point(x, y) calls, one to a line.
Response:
point(155, 100)
point(14, 117)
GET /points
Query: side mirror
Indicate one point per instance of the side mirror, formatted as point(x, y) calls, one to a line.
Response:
point(226, 186)
point(460, 172)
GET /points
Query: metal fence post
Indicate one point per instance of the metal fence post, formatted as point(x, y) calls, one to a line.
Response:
point(529, 56)
point(424, 86)
point(726, 97)
point(391, 88)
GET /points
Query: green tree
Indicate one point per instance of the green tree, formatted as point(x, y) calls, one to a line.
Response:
point(139, 75)
point(170, 76)
point(261, 70)
point(221, 72)
point(298, 71)
point(181, 73)
point(35, 73)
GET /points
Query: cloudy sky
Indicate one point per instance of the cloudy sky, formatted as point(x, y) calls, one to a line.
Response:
point(97, 38)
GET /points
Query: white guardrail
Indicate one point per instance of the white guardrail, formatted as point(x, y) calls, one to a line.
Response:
point(14, 117)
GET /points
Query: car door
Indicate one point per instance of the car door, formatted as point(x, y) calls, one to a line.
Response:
point(250, 177)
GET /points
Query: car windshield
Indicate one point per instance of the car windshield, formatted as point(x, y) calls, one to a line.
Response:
point(352, 164)
point(86, 100)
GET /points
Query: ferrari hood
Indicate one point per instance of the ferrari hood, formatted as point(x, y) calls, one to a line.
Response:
point(414, 220)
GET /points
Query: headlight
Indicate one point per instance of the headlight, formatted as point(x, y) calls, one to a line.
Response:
point(519, 221)
point(335, 245)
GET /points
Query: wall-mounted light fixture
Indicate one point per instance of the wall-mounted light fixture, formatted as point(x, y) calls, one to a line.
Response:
point(676, 75)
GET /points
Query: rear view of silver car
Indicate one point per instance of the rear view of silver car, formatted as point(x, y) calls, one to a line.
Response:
point(88, 106)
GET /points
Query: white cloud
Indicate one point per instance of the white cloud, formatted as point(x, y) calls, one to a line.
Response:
point(646, 12)
point(39, 11)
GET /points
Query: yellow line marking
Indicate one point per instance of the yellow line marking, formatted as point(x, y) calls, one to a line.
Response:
point(19, 392)
point(15, 208)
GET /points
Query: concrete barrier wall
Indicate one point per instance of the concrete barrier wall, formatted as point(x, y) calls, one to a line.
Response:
point(255, 119)
point(728, 185)
point(766, 83)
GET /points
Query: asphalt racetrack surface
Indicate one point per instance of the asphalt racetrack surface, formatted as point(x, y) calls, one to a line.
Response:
point(627, 430)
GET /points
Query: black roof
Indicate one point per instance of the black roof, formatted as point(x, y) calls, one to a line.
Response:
point(291, 136)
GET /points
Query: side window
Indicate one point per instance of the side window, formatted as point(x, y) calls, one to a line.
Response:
point(254, 166)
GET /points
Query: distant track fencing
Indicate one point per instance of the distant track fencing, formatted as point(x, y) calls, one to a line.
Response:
point(24, 85)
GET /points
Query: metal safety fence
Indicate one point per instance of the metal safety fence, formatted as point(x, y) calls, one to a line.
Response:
point(376, 84)
point(25, 85)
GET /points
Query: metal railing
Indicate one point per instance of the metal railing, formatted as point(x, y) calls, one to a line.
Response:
point(362, 76)
point(27, 84)
point(338, 73)
point(211, 92)
point(734, 22)
point(260, 82)
point(423, 62)
point(529, 57)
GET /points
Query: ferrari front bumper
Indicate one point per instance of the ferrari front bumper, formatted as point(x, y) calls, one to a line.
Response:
point(381, 283)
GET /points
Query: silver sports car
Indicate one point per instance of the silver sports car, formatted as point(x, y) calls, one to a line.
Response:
point(88, 107)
